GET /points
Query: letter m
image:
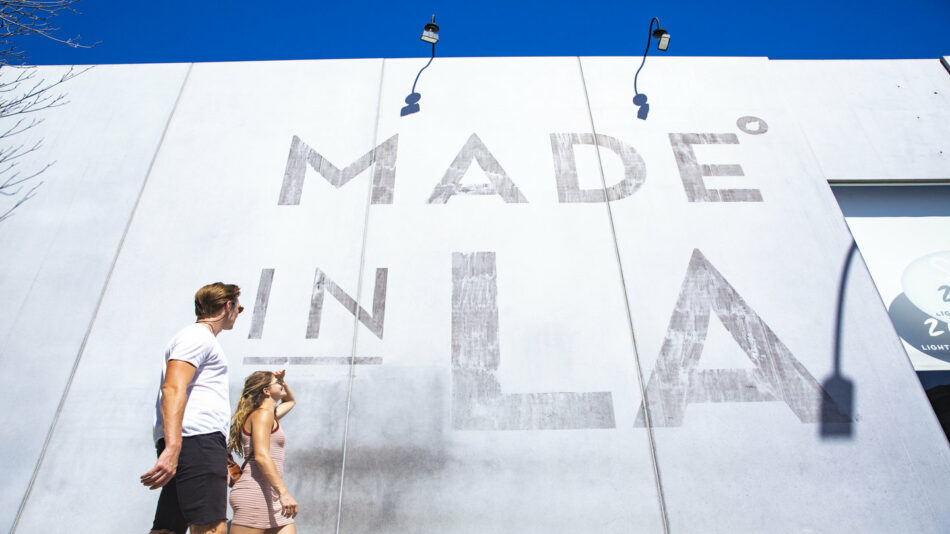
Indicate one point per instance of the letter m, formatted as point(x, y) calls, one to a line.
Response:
point(384, 172)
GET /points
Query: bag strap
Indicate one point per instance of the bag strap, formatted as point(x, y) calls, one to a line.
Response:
point(246, 458)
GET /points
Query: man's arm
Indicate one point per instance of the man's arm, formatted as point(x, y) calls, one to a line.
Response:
point(178, 375)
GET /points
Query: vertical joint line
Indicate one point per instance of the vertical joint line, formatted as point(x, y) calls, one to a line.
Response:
point(359, 291)
point(636, 356)
point(95, 313)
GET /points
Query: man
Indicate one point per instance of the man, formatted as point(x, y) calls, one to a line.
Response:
point(192, 416)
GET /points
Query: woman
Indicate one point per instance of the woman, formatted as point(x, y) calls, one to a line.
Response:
point(261, 502)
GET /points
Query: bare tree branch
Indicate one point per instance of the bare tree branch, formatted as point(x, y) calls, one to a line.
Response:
point(7, 214)
point(23, 93)
point(37, 96)
point(19, 18)
point(12, 153)
point(18, 128)
point(29, 95)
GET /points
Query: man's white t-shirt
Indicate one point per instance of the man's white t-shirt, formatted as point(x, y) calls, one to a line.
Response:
point(207, 408)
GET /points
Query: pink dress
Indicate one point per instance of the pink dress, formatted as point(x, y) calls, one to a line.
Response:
point(255, 502)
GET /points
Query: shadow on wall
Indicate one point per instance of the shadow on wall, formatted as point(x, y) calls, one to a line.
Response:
point(839, 387)
point(412, 104)
point(412, 100)
point(640, 99)
point(641, 102)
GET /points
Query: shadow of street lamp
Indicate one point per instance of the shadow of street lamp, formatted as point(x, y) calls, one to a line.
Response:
point(837, 415)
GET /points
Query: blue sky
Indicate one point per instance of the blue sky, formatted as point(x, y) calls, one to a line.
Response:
point(133, 31)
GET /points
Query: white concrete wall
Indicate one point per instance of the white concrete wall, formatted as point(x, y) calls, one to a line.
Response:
point(871, 120)
point(59, 247)
point(513, 321)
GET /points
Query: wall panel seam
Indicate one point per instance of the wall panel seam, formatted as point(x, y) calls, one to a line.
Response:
point(359, 292)
point(661, 501)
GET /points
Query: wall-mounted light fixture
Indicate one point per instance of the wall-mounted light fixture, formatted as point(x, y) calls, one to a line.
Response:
point(430, 35)
point(663, 36)
point(431, 32)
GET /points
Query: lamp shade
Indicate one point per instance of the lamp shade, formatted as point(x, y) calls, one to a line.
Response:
point(431, 32)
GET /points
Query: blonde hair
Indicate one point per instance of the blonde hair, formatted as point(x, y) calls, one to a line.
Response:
point(211, 299)
point(251, 398)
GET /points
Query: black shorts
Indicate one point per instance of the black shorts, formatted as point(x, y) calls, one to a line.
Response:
point(198, 494)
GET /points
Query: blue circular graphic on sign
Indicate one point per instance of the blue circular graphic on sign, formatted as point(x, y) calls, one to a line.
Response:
point(923, 332)
point(926, 282)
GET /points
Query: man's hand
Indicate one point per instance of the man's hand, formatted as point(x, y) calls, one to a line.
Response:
point(178, 375)
point(164, 470)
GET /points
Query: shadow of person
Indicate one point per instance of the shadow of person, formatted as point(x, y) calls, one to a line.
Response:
point(640, 100)
point(412, 104)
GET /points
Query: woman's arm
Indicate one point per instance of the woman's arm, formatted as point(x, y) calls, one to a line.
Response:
point(262, 423)
point(288, 402)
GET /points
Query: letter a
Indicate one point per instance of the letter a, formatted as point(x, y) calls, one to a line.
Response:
point(500, 185)
point(777, 376)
